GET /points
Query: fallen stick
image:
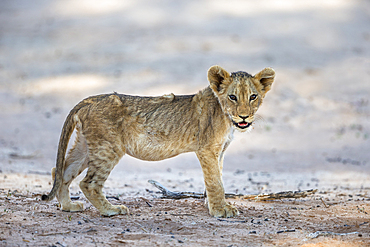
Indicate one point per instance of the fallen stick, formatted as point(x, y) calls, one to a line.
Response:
point(53, 233)
point(285, 194)
point(284, 231)
point(233, 221)
point(168, 194)
point(325, 234)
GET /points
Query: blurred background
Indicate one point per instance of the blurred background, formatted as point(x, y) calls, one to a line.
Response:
point(316, 127)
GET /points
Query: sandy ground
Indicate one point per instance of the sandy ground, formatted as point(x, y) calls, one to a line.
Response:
point(315, 132)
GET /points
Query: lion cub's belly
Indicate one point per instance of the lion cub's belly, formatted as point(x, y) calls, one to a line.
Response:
point(151, 148)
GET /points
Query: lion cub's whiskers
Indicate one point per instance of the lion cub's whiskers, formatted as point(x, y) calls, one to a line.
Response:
point(259, 121)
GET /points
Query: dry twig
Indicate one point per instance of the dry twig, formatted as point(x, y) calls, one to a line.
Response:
point(53, 233)
point(167, 194)
point(325, 234)
point(323, 202)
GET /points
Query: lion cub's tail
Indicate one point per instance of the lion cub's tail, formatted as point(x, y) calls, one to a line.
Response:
point(67, 131)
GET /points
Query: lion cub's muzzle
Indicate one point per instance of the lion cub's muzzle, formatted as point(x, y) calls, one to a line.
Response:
point(242, 125)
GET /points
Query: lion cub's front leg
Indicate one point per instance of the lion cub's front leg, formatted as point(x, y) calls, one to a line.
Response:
point(217, 205)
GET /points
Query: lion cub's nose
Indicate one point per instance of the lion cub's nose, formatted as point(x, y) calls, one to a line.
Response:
point(244, 117)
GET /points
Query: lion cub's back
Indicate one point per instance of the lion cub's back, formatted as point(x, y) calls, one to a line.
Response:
point(148, 128)
point(157, 128)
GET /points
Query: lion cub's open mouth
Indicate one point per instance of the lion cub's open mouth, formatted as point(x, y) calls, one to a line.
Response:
point(242, 125)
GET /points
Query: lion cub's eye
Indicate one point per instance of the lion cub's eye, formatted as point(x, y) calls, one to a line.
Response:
point(232, 97)
point(253, 97)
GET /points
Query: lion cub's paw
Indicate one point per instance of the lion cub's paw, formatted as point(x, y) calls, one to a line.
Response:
point(73, 207)
point(114, 210)
point(224, 212)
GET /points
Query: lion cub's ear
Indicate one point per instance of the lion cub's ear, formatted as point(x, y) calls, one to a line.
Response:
point(265, 77)
point(218, 78)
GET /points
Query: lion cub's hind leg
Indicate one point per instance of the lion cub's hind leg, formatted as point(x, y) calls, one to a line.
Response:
point(102, 160)
point(75, 163)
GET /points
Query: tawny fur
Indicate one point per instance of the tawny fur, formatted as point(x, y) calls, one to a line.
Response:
point(156, 128)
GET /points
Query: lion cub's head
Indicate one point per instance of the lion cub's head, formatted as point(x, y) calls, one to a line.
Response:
point(239, 93)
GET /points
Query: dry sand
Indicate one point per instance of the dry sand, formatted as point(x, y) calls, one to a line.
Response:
point(315, 133)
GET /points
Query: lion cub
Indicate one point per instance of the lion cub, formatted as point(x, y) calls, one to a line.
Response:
point(156, 128)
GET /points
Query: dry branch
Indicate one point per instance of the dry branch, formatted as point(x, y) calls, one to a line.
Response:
point(53, 233)
point(325, 234)
point(167, 194)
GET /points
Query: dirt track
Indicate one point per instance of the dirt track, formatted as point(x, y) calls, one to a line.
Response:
point(315, 132)
point(162, 222)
